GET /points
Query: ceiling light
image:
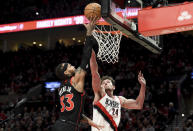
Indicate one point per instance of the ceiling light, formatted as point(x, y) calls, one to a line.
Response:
point(37, 13)
point(73, 38)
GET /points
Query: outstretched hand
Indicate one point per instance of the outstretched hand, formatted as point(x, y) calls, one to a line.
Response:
point(141, 79)
point(91, 25)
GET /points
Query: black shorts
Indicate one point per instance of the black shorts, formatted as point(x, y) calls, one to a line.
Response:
point(63, 126)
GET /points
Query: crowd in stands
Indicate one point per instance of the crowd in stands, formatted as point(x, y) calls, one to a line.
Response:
point(27, 67)
point(188, 123)
point(22, 70)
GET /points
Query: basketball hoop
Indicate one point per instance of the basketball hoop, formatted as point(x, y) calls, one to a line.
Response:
point(108, 39)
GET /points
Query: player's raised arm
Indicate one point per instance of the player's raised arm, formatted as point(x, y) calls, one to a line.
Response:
point(96, 80)
point(78, 81)
point(138, 103)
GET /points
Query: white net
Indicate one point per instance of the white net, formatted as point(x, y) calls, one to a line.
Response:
point(108, 39)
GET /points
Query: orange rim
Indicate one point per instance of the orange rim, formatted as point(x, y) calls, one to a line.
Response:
point(102, 22)
point(112, 32)
point(105, 32)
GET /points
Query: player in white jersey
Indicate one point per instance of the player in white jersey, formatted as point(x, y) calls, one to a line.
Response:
point(107, 107)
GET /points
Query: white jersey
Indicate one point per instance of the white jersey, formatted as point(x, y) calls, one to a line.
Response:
point(107, 112)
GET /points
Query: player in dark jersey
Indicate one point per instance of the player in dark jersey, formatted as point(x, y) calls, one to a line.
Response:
point(71, 92)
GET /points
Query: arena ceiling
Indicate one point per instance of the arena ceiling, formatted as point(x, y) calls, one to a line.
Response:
point(68, 35)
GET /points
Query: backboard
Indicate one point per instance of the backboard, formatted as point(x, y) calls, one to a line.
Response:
point(127, 23)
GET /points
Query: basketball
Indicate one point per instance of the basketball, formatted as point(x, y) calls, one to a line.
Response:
point(92, 10)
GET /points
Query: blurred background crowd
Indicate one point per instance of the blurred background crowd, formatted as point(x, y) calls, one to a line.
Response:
point(167, 75)
point(27, 67)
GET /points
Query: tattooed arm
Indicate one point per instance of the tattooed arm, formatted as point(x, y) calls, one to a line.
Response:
point(78, 80)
